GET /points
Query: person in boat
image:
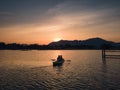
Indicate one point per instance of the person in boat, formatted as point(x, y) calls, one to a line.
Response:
point(60, 58)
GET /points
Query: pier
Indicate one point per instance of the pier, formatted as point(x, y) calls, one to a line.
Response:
point(111, 54)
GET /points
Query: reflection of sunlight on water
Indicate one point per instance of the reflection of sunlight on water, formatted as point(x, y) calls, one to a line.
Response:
point(30, 63)
point(56, 53)
point(83, 69)
point(36, 58)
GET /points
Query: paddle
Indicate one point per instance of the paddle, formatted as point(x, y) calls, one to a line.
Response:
point(53, 59)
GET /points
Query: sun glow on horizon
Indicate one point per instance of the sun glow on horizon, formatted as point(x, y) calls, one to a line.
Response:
point(57, 39)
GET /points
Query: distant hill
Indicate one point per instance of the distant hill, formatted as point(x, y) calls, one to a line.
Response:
point(97, 42)
point(90, 43)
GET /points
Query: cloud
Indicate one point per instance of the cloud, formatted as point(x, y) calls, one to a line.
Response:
point(84, 10)
point(67, 15)
point(24, 11)
point(67, 12)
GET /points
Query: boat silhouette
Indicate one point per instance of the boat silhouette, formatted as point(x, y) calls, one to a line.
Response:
point(59, 61)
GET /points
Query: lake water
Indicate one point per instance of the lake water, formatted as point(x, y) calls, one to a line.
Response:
point(33, 70)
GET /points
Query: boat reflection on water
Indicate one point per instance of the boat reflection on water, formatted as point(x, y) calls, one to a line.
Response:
point(58, 69)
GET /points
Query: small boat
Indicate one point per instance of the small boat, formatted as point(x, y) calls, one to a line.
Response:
point(59, 61)
point(56, 63)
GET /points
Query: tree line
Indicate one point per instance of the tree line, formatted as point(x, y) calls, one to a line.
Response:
point(15, 46)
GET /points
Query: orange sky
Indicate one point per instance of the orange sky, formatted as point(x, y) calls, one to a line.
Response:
point(68, 20)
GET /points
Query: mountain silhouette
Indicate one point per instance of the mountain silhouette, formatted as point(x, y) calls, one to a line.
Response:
point(96, 42)
point(92, 43)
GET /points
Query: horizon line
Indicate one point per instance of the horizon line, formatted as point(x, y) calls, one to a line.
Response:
point(60, 40)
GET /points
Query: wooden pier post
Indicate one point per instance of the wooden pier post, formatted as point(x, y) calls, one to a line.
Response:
point(103, 53)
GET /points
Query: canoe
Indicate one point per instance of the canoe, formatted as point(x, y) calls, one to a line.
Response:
point(58, 63)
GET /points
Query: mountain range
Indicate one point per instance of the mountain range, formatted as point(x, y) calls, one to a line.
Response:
point(92, 43)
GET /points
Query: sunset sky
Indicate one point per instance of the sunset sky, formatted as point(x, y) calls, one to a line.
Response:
point(44, 21)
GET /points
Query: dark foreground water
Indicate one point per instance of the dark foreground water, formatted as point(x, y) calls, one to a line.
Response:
point(33, 70)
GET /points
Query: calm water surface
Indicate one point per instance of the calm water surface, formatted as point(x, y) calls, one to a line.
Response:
point(33, 70)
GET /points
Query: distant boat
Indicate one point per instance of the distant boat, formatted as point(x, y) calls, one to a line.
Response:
point(59, 61)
